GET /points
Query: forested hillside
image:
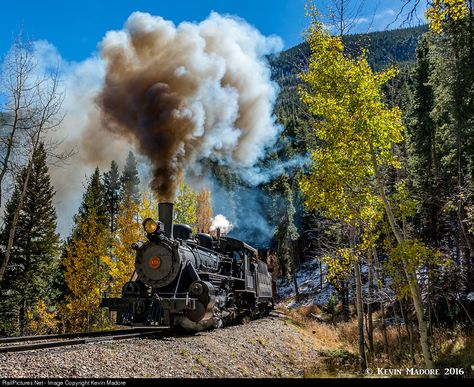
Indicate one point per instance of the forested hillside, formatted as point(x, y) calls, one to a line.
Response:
point(384, 48)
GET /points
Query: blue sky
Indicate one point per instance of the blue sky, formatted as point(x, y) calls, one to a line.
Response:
point(75, 27)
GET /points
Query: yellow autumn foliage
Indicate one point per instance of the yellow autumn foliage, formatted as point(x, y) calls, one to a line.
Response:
point(203, 210)
point(148, 206)
point(185, 205)
point(410, 255)
point(340, 265)
point(41, 320)
point(121, 261)
point(354, 127)
point(444, 11)
point(86, 275)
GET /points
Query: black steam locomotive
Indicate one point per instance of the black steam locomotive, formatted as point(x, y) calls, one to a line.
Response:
point(192, 281)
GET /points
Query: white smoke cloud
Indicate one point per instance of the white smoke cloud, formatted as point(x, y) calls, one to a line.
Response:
point(79, 83)
point(221, 222)
point(260, 175)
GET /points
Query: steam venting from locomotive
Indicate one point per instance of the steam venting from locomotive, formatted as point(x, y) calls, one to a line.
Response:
point(220, 222)
point(187, 94)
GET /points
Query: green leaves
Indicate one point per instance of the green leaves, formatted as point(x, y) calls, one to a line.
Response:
point(353, 124)
point(185, 205)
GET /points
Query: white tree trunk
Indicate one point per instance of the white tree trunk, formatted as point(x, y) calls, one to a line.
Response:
point(410, 274)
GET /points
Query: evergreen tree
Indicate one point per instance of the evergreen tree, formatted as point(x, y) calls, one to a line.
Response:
point(286, 232)
point(31, 272)
point(422, 148)
point(452, 58)
point(86, 263)
point(129, 179)
point(112, 193)
point(93, 202)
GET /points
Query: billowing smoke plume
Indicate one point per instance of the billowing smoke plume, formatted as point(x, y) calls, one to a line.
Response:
point(217, 72)
point(220, 222)
point(189, 93)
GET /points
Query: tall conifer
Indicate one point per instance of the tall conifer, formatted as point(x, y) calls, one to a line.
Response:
point(29, 276)
point(130, 179)
point(112, 193)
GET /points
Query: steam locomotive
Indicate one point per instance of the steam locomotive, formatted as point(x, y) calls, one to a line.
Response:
point(195, 282)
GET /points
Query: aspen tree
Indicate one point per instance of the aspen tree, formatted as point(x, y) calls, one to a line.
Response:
point(185, 205)
point(203, 210)
point(357, 132)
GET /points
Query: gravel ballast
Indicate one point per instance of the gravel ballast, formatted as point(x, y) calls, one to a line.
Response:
point(264, 348)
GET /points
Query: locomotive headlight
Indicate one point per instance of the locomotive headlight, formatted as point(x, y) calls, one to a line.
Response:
point(150, 225)
point(154, 262)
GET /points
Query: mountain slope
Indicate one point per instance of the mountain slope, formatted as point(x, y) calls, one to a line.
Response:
point(384, 47)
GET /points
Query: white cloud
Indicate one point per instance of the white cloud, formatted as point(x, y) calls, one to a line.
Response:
point(80, 82)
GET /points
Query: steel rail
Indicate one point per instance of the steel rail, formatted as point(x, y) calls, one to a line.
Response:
point(18, 339)
point(77, 341)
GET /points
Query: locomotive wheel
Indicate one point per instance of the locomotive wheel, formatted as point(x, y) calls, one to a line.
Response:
point(197, 314)
point(264, 310)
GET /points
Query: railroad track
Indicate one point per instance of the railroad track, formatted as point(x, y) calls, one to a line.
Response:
point(31, 343)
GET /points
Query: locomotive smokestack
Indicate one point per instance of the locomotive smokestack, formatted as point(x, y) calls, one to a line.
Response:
point(165, 214)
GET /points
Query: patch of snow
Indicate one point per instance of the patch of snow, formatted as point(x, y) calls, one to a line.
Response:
point(312, 290)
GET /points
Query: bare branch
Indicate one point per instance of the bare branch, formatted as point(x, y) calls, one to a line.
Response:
point(35, 105)
point(408, 12)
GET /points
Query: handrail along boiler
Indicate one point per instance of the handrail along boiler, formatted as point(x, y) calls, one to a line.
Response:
point(192, 281)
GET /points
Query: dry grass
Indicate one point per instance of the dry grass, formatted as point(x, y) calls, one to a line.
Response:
point(337, 344)
point(324, 335)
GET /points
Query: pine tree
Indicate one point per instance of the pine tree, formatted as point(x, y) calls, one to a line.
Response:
point(452, 58)
point(93, 202)
point(31, 272)
point(86, 261)
point(422, 147)
point(129, 179)
point(112, 193)
point(286, 232)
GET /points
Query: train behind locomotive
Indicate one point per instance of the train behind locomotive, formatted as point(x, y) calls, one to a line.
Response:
point(192, 281)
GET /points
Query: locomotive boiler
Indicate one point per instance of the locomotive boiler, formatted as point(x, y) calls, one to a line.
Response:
point(191, 281)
